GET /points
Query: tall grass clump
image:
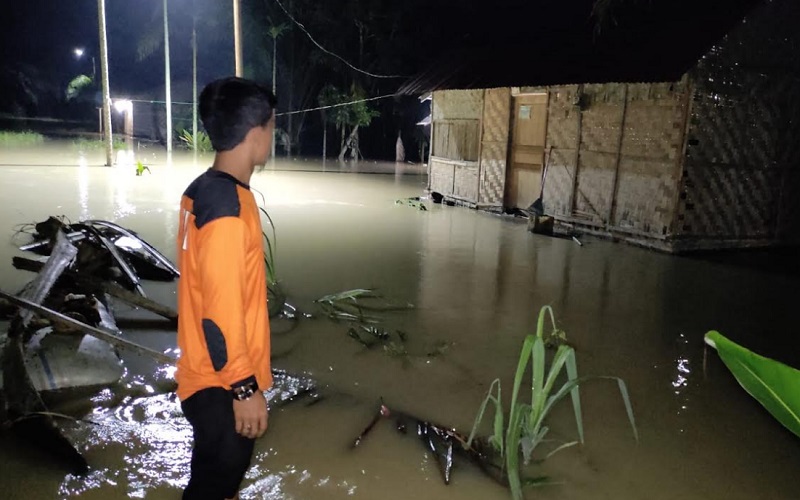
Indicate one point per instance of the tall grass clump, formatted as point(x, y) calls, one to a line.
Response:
point(519, 433)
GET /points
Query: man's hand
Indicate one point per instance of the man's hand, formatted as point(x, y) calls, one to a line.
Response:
point(251, 415)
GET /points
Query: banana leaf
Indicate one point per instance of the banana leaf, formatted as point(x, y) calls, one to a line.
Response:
point(775, 385)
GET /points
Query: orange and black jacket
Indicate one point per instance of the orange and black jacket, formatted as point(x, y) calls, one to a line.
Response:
point(223, 323)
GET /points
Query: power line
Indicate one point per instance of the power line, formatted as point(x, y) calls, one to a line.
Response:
point(335, 105)
point(368, 99)
point(303, 28)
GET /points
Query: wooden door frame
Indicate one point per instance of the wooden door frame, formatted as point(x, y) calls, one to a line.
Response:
point(512, 134)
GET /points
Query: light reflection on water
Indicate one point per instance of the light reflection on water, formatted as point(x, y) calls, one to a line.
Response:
point(152, 437)
point(477, 281)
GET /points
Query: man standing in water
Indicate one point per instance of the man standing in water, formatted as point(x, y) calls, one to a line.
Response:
point(223, 323)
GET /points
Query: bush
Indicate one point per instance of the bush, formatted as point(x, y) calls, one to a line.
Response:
point(26, 138)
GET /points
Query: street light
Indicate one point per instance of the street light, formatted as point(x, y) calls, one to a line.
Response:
point(125, 107)
point(79, 51)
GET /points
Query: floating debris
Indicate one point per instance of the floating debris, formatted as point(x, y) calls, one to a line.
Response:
point(444, 443)
point(412, 202)
point(350, 306)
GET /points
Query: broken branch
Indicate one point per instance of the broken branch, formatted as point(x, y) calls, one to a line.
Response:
point(90, 330)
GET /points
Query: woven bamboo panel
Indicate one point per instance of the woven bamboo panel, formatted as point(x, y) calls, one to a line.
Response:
point(466, 183)
point(729, 202)
point(649, 164)
point(742, 147)
point(600, 130)
point(494, 152)
point(600, 127)
point(649, 172)
point(743, 157)
point(646, 194)
point(562, 136)
point(558, 184)
point(735, 130)
point(493, 173)
point(442, 175)
point(595, 184)
point(654, 129)
point(457, 105)
point(562, 118)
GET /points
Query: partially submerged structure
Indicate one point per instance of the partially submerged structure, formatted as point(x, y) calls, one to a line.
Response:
point(641, 133)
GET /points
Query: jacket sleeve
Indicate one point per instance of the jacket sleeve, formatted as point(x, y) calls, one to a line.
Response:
point(221, 268)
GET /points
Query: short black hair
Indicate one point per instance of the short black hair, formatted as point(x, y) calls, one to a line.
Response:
point(231, 107)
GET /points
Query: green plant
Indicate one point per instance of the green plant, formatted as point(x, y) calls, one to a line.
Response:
point(269, 253)
point(775, 385)
point(203, 141)
point(25, 138)
point(351, 305)
point(140, 168)
point(84, 144)
point(526, 428)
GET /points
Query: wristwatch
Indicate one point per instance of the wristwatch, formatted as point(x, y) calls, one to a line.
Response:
point(244, 392)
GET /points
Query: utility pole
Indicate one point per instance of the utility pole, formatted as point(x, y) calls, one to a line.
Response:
point(237, 36)
point(101, 15)
point(167, 78)
point(274, 83)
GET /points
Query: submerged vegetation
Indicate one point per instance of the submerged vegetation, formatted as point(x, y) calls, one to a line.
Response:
point(412, 202)
point(358, 305)
point(523, 429)
point(362, 308)
point(84, 144)
point(25, 138)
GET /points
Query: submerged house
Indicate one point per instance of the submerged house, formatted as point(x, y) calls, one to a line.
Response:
point(675, 125)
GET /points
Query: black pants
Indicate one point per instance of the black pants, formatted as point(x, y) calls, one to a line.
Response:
point(220, 456)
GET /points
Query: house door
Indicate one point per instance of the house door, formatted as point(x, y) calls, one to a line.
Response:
point(524, 178)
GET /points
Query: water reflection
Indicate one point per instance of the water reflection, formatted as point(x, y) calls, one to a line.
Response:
point(153, 438)
point(680, 382)
point(83, 188)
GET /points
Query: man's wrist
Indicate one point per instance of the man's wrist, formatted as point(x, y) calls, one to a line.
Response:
point(244, 389)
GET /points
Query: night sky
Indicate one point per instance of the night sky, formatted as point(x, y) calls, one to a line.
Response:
point(443, 43)
point(44, 34)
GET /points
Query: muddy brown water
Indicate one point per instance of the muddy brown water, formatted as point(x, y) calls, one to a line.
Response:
point(477, 281)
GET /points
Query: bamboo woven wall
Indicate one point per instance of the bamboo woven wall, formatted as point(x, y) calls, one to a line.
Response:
point(742, 166)
point(562, 136)
point(648, 154)
point(494, 147)
point(457, 105)
point(442, 175)
point(650, 168)
point(457, 116)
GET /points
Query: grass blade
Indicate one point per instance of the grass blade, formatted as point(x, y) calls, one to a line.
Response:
point(572, 374)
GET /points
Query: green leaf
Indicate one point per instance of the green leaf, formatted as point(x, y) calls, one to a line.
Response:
point(775, 385)
point(572, 374)
point(562, 447)
point(497, 438)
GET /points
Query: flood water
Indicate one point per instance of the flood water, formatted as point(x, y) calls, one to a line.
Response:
point(477, 281)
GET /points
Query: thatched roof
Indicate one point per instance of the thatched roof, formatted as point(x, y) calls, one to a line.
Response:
point(550, 42)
